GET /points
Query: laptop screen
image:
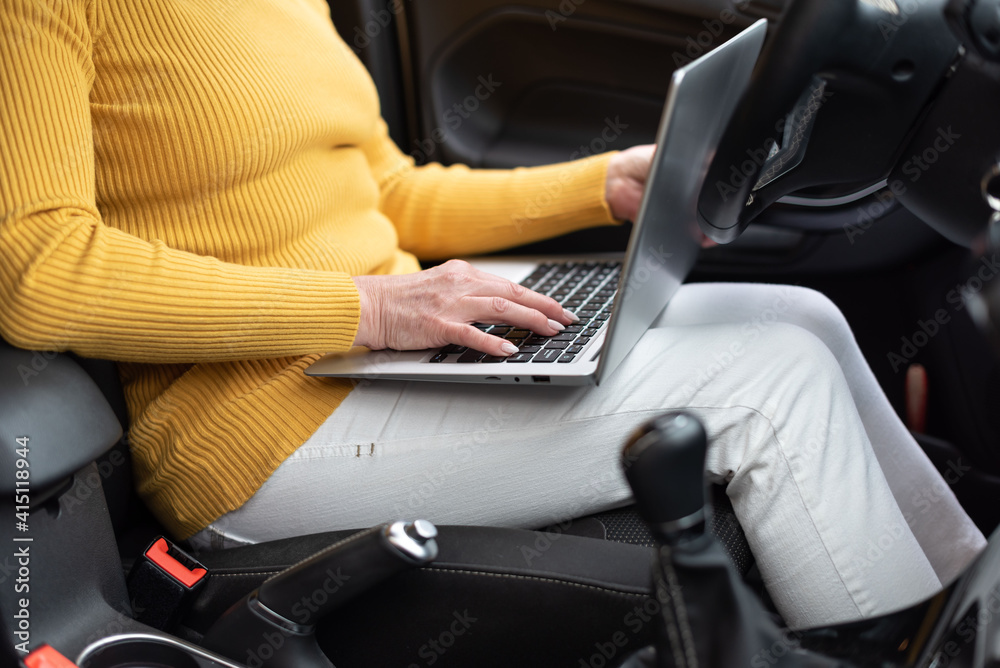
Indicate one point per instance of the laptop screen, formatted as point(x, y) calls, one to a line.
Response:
point(666, 238)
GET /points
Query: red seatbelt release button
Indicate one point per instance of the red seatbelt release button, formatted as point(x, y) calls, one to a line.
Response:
point(47, 657)
point(159, 554)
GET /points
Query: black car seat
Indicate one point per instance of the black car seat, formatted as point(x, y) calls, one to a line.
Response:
point(591, 572)
point(573, 591)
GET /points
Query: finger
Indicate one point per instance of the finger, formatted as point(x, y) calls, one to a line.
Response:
point(476, 339)
point(476, 282)
point(497, 310)
point(521, 295)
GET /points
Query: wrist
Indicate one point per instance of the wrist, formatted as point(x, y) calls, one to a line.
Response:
point(367, 312)
point(613, 184)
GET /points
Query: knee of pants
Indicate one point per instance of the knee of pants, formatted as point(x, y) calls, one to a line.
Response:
point(818, 310)
point(790, 357)
point(795, 390)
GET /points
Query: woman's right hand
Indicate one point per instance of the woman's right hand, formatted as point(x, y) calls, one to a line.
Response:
point(438, 306)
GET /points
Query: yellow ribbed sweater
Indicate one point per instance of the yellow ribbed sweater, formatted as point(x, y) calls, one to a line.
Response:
point(187, 187)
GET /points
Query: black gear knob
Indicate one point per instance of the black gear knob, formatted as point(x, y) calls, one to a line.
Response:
point(708, 616)
point(664, 463)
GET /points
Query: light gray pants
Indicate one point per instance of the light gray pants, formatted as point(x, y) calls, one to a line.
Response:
point(844, 512)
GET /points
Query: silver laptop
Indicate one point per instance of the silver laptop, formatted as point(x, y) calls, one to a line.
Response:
point(616, 298)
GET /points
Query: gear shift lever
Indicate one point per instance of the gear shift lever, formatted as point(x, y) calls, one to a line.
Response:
point(708, 617)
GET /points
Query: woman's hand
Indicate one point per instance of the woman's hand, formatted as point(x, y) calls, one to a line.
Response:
point(437, 306)
point(627, 173)
point(626, 180)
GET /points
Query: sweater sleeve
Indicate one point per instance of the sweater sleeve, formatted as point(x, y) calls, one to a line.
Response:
point(68, 281)
point(441, 212)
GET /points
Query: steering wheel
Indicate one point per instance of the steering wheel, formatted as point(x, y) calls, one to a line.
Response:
point(838, 91)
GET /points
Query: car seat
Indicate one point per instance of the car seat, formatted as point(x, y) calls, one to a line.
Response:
point(558, 590)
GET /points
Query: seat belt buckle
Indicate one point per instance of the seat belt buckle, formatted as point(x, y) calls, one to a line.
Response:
point(163, 583)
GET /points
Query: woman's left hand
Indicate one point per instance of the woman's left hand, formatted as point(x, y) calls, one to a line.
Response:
point(627, 174)
point(626, 180)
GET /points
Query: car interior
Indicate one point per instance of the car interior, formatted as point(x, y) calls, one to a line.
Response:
point(863, 162)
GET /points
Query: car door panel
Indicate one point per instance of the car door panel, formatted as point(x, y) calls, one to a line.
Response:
point(565, 79)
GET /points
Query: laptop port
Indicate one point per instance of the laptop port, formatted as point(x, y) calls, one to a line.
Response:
point(541, 379)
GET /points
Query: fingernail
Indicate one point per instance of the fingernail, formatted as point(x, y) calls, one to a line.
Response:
point(558, 326)
point(572, 316)
point(508, 348)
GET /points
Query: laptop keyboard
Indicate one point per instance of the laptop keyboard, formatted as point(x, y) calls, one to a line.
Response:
point(584, 288)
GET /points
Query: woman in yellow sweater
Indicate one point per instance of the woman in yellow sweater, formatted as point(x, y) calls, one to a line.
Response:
point(205, 193)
